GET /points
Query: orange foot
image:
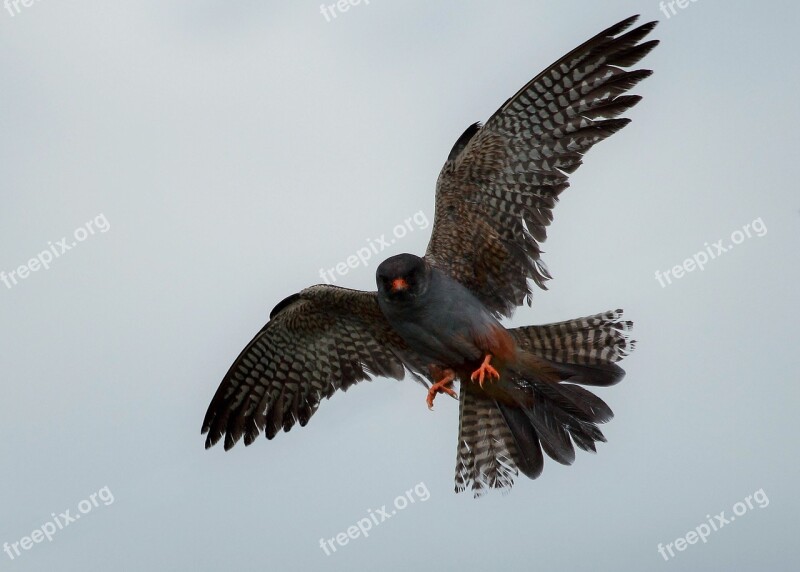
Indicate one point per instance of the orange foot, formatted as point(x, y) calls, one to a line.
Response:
point(485, 370)
point(442, 386)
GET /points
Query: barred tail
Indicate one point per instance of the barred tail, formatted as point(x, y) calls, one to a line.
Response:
point(486, 447)
point(536, 405)
point(600, 339)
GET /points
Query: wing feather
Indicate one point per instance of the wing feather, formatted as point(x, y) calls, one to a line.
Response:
point(318, 341)
point(497, 190)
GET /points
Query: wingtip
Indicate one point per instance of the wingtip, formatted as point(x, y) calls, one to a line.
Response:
point(647, 27)
point(623, 25)
point(211, 440)
point(620, 27)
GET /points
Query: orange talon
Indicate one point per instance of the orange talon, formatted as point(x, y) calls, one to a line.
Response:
point(484, 370)
point(441, 386)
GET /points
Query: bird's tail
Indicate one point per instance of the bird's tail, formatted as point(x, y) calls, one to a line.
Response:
point(536, 405)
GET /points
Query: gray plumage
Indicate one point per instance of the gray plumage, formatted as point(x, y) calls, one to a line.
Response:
point(436, 317)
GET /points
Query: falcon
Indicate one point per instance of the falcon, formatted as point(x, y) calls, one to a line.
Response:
point(437, 317)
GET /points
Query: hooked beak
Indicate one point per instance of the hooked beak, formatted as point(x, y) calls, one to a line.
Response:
point(399, 284)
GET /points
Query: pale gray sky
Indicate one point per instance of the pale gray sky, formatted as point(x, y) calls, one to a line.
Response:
point(232, 149)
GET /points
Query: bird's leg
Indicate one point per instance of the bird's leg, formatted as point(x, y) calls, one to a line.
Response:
point(484, 370)
point(444, 379)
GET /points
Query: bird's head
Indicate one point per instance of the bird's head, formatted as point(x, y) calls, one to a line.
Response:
point(402, 277)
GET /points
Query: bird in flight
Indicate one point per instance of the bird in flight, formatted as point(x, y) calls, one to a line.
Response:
point(436, 317)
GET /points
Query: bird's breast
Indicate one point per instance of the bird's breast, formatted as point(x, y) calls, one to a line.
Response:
point(450, 330)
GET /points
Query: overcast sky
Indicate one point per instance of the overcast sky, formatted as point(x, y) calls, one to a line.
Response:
point(209, 158)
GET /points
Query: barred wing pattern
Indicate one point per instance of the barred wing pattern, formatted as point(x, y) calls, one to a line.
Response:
point(318, 341)
point(496, 191)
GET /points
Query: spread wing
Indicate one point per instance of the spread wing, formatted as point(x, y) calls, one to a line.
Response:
point(497, 189)
point(320, 340)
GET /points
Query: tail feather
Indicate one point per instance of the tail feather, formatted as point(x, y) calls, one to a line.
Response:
point(574, 401)
point(545, 417)
point(543, 409)
point(528, 458)
point(601, 339)
point(486, 447)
